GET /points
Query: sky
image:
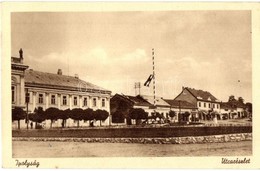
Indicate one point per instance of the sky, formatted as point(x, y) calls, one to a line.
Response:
point(207, 50)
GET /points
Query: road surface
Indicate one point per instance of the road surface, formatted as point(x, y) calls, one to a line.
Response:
point(42, 149)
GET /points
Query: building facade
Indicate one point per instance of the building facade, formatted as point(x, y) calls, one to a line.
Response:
point(124, 103)
point(203, 100)
point(55, 90)
point(180, 107)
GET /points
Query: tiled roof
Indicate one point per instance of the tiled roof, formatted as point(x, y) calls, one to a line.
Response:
point(58, 81)
point(159, 101)
point(202, 95)
point(137, 100)
point(180, 103)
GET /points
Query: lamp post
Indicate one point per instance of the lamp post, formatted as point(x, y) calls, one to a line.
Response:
point(27, 99)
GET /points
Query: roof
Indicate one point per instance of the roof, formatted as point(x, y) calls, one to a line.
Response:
point(50, 80)
point(180, 103)
point(159, 101)
point(138, 101)
point(202, 95)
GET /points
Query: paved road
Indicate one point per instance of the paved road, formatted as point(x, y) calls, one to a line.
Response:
point(80, 149)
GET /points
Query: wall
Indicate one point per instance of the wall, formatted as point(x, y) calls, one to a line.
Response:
point(135, 132)
point(171, 140)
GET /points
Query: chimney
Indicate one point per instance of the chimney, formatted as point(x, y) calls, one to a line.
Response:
point(183, 87)
point(59, 72)
point(77, 76)
point(21, 55)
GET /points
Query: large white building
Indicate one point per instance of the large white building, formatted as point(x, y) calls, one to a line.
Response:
point(55, 90)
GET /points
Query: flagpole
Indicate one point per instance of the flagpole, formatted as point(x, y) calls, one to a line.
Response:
point(154, 101)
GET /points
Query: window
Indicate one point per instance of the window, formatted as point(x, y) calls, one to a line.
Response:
point(213, 105)
point(103, 103)
point(204, 104)
point(75, 101)
point(40, 98)
point(199, 104)
point(85, 102)
point(94, 102)
point(209, 105)
point(64, 100)
point(52, 99)
point(13, 94)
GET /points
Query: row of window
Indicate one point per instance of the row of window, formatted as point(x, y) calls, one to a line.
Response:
point(209, 105)
point(75, 101)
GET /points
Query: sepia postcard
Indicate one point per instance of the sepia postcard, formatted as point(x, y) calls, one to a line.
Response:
point(130, 85)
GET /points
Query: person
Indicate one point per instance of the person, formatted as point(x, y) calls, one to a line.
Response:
point(31, 125)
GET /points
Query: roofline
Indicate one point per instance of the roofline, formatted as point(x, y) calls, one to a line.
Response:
point(178, 106)
point(66, 88)
point(182, 92)
point(123, 96)
point(190, 92)
point(196, 97)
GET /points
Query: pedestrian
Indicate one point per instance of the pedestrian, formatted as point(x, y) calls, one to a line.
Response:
point(31, 125)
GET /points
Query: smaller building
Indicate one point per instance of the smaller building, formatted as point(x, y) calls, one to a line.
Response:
point(120, 106)
point(233, 109)
point(181, 107)
point(227, 110)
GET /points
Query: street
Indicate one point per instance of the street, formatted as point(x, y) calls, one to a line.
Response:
point(34, 149)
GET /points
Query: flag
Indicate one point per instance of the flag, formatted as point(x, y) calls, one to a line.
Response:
point(148, 81)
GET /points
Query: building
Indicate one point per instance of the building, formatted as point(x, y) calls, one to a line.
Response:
point(161, 105)
point(227, 110)
point(55, 90)
point(180, 107)
point(203, 100)
point(234, 109)
point(124, 103)
point(18, 81)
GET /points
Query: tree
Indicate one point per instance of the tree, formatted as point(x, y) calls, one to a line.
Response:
point(172, 114)
point(64, 115)
point(118, 117)
point(249, 108)
point(138, 114)
point(52, 114)
point(77, 114)
point(88, 114)
point(38, 116)
point(186, 116)
point(231, 98)
point(241, 100)
point(101, 115)
point(18, 114)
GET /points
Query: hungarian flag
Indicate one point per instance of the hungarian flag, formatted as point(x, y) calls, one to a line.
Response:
point(148, 81)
